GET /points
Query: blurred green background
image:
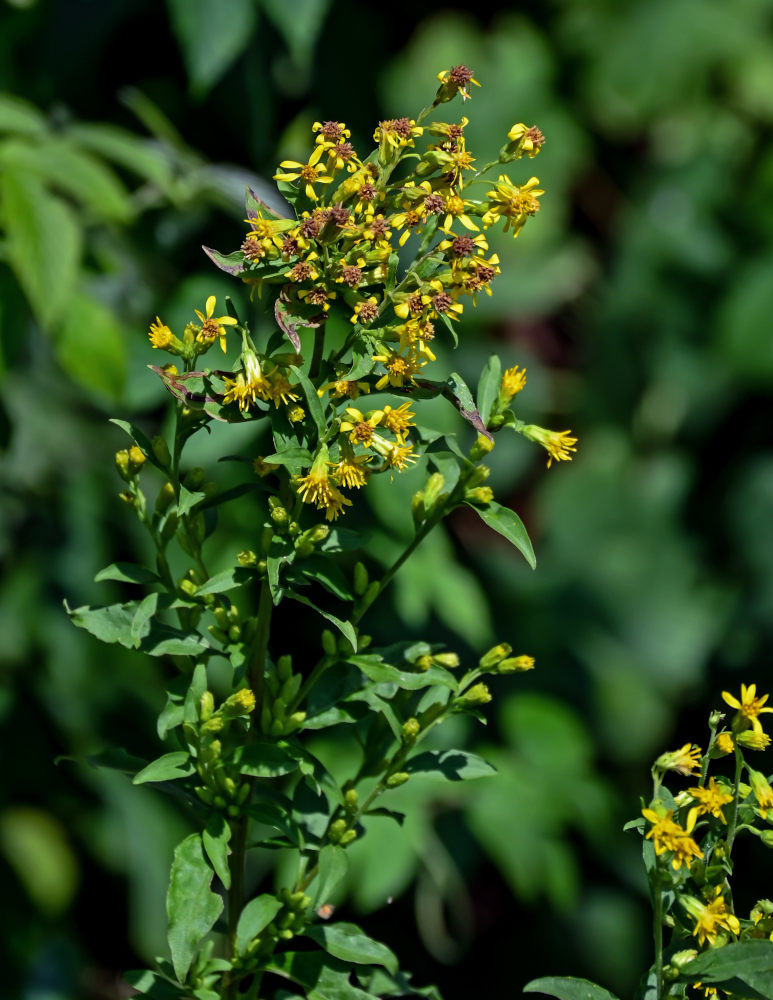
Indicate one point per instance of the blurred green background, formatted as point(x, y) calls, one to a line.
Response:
point(640, 299)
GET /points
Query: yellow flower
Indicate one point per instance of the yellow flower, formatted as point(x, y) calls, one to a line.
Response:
point(213, 327)
point(330, 133)
point(397, 132)
point(161, 336)
point(763, 793)
point(457, 208)
point(753, 740)
point(683, 761)
point(398, 421)
point(365, 311)
point(454, 81)
point(528, 140)
point(316, 487)
point(513, 381)
point(349, 469)
point(360, 429)
point(310, 173)
point(400, 368)
point(750, 707)
point(343, 387)
point(666, 835)
point(512, 203)
point(724, 743)
point(710, 918)
point(558, 444)
point(710, 800)
point(249, 386)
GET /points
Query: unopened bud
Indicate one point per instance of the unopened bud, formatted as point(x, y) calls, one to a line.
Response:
point(280, 517)
point(360, 579)
point(136, 459)
point(449, 660)
point(515, 665)
point(478, 694)
point(479, 494)
point(284, 667)
point(397, 779)
point(495, 655)
point(194, 478)
point(433, 490)
point(242, 702)
point(418, 508)
point(165, 498)
point(206, 705)
point(161, 451)
point(411, 729)
point(351, 800)
point(482, 446)
point(336, 831)
point(122, 464)
point(247, 558)
point(329, 642)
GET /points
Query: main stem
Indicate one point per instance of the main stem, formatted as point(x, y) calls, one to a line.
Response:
point(657, 930)
point(732, 823)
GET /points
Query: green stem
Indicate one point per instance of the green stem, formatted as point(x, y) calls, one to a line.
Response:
point(657, 930)
point(257, 661)
point(732, 822)
point(319, 345)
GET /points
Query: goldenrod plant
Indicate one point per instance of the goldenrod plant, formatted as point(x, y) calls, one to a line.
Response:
point(372, 263)
point(690, 840)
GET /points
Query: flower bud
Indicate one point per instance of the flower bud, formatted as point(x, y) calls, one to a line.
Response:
point(360, 579)
point(411, 729)
point(329, 642)
point(418, 509)
point(351, 800)
point(515, 665)
point(482, 446)
point(397, 779)
point(478, 694)
point(280, 517)
point(122, 464)
point(494, 655)
point(449, 660)
point(161, 451)
point(433, 490)
point(206, 705)
point(247, 558)
point(165, 498)
point(194, 478)
point(284, 667)
point(479, 494)
point(242, 702)
point(336, 831)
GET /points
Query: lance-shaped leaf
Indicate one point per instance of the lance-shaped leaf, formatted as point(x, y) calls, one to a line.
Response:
point(231, 263)
point(192, 908)
point(170, 766)
point(374, 667)
point(350, 944)
point(455, 765)
point(126, 572)
point(333, 864)
point(256, 915)
point(750, 962)
point(321, 976)
point(509, 525)
point(488, 387)
point(568, 988)
point(345, 628)
point(288, 324)
point(457, 391)
point(263, 760)
point(316, 410)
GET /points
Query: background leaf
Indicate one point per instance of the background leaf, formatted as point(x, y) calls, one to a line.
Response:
point(191, 906)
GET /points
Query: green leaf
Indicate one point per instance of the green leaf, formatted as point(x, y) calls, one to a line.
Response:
point(256, 915)
point(170, 766)
point(488, 387)
point(347, 942)
point(328, 575)
point(333, 866)
point(146, 609)
point(373, 667)
point(141, 156)
point(228, 579)
point(215, 837)
point(192, 908)
point(509, 525)
point(362, 359)
point(345, 628)
point(140, 438)
point(751, 961)
point(127, 573)
point(91, 347)
point(188, 500)
point(455, 765)
point(263, 760)
point(295, 460)
point(231, 263)
point(150, 984)
point(457, 391)
point(115, 759)
point(19, 116)
point(74, 172)
point(211, 36)
point(114, 624)
point(299, 22)
point(43, 243)
point(568, 988)
point(313, 402)
point(323, 977)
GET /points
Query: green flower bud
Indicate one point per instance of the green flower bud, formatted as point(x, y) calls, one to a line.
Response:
point(482, 446)
point(348, 837)
point(136, 459)
point(433, 490)
point(479, 494)
point(351, 800)
point(161, 451)
point(336, 831)
point(122, 464)
point(360, 579)
point(515, 665)
point(418, 509)
point(449, 660)
point(206, 705)
point(194, 478)
point(280, 517)
point(284, 667)
point(187, 587)
point(247, 558)
point(411, 729)
point(494, 655)
point(478, 475)
point(165, 498)
point(169, 529)
point(397, 779)
point(478, 694)
point(293, 722)
point(329, 642)
point(240, 703)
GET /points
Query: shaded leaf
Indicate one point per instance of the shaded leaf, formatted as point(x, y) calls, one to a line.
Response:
point(568, 988)
point(455, 765)
point(127, 573)
point(488, 386)
point(313, 402)
point(256, 915)
point(373, 667)
point(507, 523)
point(263, 760)
point(350, 944)
point(91, 346)
point(170, 766)
point(19, 116)
point(191, 906)
point(345, 628)
point(150, 984)
point(211, 36)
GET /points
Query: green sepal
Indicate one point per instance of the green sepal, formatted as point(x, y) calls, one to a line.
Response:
point(168, 767)
point(192, 908)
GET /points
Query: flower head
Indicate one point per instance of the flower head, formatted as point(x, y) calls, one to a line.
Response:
point(213, 327)
point(666, 835)
point(749, 708)
point(683, 761)
point(513, 381)
point(317, 488)
point(558, 444)
point(710, 799)
point(454, 81)
point(513, 203)
point(710, 917)
point(310, 173)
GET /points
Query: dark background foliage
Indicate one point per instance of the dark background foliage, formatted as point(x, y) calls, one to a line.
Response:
point(639, 299)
